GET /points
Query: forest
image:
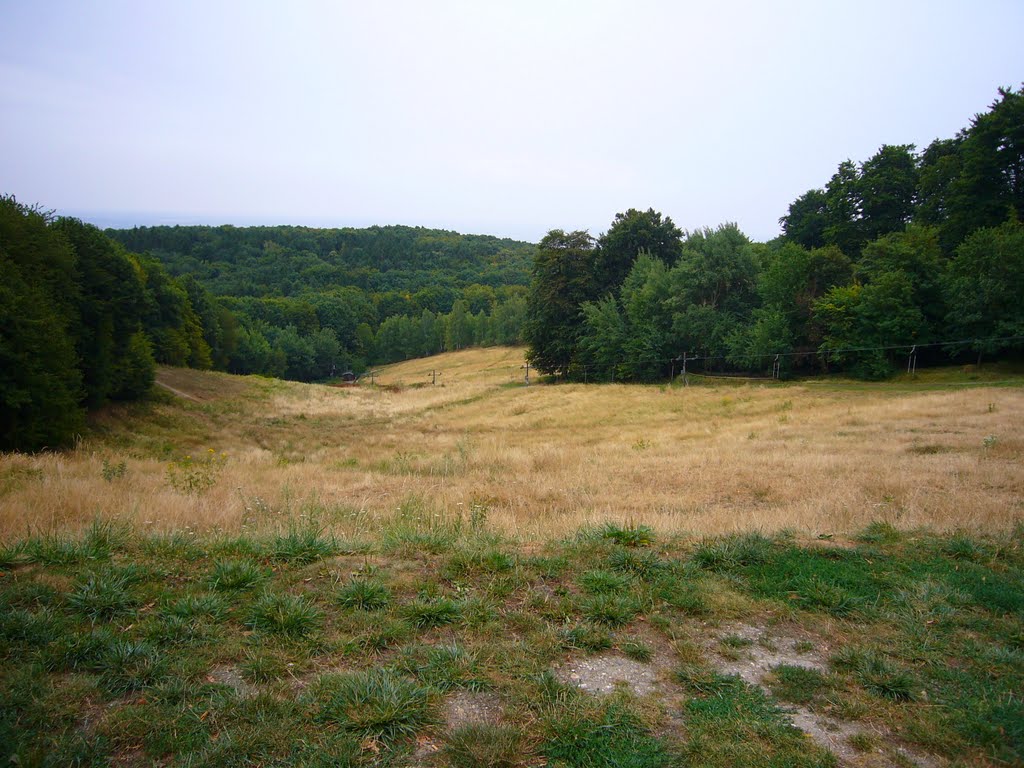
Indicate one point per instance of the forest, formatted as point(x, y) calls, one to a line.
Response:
point(901, 258)
point(906, 252)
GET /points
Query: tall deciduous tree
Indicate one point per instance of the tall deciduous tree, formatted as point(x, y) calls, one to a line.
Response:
point(984, 288)
point(630, 234)
point(562, 280)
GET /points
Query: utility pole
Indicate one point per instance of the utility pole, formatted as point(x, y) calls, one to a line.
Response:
point(775, 367)
point(373, 378)
point(686, 381)
point(527, 367)
point(912, 361)
point(434, 373)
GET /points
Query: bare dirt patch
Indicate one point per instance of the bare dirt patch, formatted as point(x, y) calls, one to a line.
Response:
point(752, 651)
point(472, 708)
point(605, 673)
point(225, 674)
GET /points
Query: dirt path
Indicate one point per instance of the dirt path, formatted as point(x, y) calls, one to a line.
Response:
point(177, 392)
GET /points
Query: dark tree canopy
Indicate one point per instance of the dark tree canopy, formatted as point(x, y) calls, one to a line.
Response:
point(632, 233)
point(562, 280)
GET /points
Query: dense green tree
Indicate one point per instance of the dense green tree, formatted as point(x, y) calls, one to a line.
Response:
point(630, 234)
point(860, 324)
point(984, 289)
point(562, 280)
point(602, 343)
point(459, 329)
point(754, 346)
point(110, 301)
point(990, 184)
point(887, 187)
point(807, 219)
point(916, 254)
point(40, 381)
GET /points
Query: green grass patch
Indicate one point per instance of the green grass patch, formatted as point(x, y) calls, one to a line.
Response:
point(375, 703)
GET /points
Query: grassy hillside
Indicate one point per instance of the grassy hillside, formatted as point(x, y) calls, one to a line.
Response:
point(826, 457)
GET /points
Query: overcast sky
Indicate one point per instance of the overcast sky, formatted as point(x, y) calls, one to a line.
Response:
point(507, 118)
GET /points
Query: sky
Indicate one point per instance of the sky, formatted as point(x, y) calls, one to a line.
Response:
point(505, 118)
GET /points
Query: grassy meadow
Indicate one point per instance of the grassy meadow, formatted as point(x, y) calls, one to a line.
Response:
point(244, 571)
point(941, 451)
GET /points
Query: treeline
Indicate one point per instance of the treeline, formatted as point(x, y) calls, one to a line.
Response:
point(82, 322)
point(404, 270)
point(903, 249)
point(307, 304)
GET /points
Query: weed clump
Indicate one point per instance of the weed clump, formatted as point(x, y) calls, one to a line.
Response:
point(286, 615)
point(628, 535)
point(364, 594)
point(102, 597)
point(375, 703)
point(437, 612)
point(235, 575)
point(733, 552)
point(796, 684)
point(487, 744)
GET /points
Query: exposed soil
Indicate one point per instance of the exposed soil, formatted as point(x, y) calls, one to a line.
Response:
point(754, 651)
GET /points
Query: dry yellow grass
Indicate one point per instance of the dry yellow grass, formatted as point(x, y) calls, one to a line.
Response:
point(541, 460)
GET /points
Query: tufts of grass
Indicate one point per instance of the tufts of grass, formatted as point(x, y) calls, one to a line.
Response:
point(130, 666)
point(464, 563)
point(799, 685)
point(610, 609)
point(643, 565)
point(235, 575)
point(731, 723)
point(262, 667)
point(380, 636)
point(487, 744)
point(375, 703)
point(628, 535)
point(27, 630)
point(603, 582)
point(283, 614)
point(637, 651)
point(729, 553)
point(444, 667)
point(303, 545)
point(364, 594)
point(877, 673)
point(196, 607)
point(681, 593)
point(959, 546)
point(879, 532)
point(584, 736)
point(424, 613)
point(587, 637)
point(102, 597)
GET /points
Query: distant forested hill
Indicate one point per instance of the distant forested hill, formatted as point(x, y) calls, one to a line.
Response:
point(289, 261)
